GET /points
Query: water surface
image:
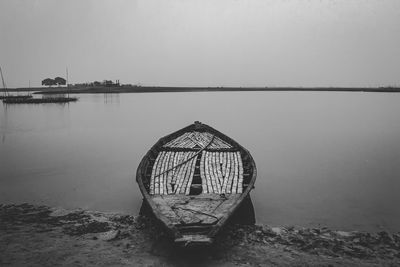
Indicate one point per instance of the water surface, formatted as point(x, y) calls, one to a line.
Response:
point(325, 158)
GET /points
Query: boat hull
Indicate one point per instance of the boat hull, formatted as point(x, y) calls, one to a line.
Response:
point(194, 180)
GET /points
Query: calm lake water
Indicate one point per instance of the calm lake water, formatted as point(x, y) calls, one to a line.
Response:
point(323, 158)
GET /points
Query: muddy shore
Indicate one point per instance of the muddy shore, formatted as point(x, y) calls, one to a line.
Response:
point(42, 236)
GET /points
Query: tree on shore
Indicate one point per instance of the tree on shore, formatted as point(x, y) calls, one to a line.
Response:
point(48, 82)
point(60, 81)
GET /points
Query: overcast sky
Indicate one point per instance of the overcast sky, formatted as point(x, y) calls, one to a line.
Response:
point(202, 43)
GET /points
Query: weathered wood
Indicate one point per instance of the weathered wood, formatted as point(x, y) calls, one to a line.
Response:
point(200, 214)
point(203, 175)
point(181, 174)
point(153, 172)
point(166, 174)
point(219, 171)
point(173, 177)
point(224, 173)
point(216, 172)
point(158, 170)
point(187, 176)
point(213, 174)
point(161, 177)
point(190, 180)
point(240, 182)
point(169, 174)
point(182, 185)
point(236, 176)
point(209, 170)
point(231, 172)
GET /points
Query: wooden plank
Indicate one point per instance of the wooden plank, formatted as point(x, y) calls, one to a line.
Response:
point(213, 188)
point(179, 140)
point(204, 139)
point(210, 170)
point(163, 185)
point(183, 143)
point(190, 180)
point(219, 171)
point(172, 172)
point(236, 177)
point(200, 140)
point(215, 171)
point(182, 188)
point(169, 173)
point(217, 142)
point(158, 171)
point(231, 172)
point(153, 172)
point(166, 174)
point(178, 172)
point(224, 164)
point(157, 189)
point(187, 174)
point(202, 174)
point(240, 182)
point(177, 159)
point(225, 173)
point(207, 172)
point(176, 141)
point(203, 159)
point(221, 163)
point(195, 141)
point(163, 167)
point(181, 173)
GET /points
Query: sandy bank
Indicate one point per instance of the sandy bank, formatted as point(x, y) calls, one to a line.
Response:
point(42, 236)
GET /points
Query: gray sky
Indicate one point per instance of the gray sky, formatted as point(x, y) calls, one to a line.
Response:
point(202, 43)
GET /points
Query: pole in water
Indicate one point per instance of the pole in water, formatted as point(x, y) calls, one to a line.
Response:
point(67, 81)
point(4, 83)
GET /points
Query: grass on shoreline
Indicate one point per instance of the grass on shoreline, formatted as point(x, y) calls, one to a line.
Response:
point(44, 236)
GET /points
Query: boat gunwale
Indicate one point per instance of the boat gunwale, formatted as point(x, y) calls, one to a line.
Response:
point(159, 145)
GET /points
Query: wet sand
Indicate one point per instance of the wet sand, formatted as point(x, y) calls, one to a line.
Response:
point(43, 236)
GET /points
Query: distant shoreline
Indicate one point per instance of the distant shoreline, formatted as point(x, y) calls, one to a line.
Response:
point(165, 89)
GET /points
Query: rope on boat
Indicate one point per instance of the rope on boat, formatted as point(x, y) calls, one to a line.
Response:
point(183, 162)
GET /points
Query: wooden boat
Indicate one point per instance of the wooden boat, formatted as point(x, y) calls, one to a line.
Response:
point(194, 180)
point(39, 100)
